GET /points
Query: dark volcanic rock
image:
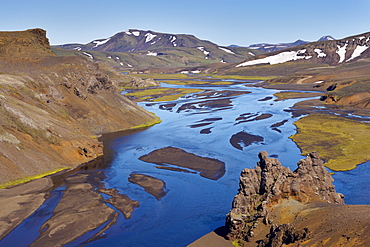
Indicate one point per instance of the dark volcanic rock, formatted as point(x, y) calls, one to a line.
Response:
point(284, 234)
point(270, 183)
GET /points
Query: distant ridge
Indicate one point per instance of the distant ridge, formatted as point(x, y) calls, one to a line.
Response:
point(329, 51)
point(138, 40)
point(327, 37)
point(149, 48)
point(267, 47)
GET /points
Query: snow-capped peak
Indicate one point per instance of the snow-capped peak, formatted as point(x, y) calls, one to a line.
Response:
point(325, 38)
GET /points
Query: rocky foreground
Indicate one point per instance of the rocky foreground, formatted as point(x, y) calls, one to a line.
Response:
point(276, 207)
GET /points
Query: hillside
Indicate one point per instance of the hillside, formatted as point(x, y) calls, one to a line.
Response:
point(340, 68)
point(137, 48)
point(53, 109)
point(332, 52)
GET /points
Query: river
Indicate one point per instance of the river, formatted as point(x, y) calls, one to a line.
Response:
point(219, 124)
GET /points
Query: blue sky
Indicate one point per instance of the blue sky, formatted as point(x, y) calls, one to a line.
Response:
point(241, 22)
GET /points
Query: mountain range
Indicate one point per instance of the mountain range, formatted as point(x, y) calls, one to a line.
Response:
point(266, 47)
point(138, 48)
point(332, 52)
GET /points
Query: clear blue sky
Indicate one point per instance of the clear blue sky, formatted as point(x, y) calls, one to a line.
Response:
point(241, 22)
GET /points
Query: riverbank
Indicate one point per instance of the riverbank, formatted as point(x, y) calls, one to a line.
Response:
point(20, 201)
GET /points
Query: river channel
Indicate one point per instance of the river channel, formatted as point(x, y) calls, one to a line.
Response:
point(229, 124)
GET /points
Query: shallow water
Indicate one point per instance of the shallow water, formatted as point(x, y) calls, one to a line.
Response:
point(194, 205)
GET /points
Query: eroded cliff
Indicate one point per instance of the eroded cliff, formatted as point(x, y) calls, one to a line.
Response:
point(54, 108)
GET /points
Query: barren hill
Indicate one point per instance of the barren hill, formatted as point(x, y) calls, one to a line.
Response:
point(54, 108)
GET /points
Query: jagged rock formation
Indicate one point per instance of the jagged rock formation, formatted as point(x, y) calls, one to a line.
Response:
point(54, 108)
point(269, 184)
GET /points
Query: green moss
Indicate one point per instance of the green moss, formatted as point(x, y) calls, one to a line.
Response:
point(341, 142)
point(240, 77)
point(157, 120)
point(30, 178)
point(235, 243)
point(161, 94)
point(295, 95)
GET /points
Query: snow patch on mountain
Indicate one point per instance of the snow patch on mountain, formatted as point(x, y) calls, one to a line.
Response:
point(172, 39)
point(97, 42)
point(136, 33)
point(201, 48)
point(88, 54)
point(278, 58)
point(251, 53)
point(358, 51)
point(149, 37)
point(226, 50)
point(342, 52)
point(320, 53)
point(128, 32)
point(154, 54)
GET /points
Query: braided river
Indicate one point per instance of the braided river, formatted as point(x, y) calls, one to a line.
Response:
point(229, 124)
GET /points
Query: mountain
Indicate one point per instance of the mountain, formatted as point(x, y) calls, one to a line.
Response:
point(332, 52)
point(266, 47)
point(138, 48)
point(138, 40)
point(327, 37)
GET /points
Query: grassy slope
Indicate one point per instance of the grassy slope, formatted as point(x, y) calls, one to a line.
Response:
point(343, 143)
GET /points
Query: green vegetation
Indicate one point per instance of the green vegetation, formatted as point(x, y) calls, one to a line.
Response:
point(161, 94)
point(294, 95)
point(157, 120)
point(358, 86)
point(30, 178)
point(160, 76)
point(189, 82)
point(341, 142)
point(241, 77)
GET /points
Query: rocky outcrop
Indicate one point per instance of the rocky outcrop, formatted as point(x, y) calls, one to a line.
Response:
point(284, 234)
point(270, 184)
point(29, 43)
point(141, 83)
